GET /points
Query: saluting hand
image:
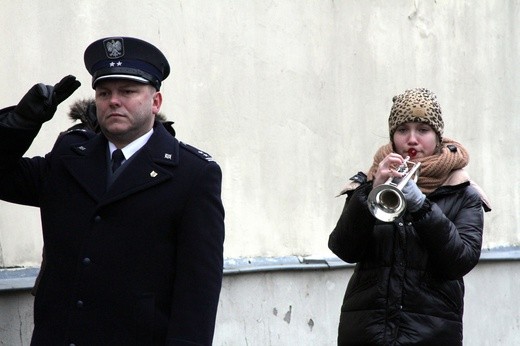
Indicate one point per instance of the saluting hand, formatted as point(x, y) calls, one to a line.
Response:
point(41, 101)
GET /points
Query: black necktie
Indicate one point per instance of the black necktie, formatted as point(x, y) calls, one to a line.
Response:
point(117, 158)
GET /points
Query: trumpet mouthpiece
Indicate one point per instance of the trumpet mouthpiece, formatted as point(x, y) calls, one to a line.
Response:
point(412, 152)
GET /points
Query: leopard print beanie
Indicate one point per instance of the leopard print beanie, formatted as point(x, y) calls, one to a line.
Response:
point(418, 105)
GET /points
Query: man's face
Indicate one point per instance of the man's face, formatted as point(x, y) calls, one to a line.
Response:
point(126, 109)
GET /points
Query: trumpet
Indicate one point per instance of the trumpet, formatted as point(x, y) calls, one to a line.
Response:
point(386, 201)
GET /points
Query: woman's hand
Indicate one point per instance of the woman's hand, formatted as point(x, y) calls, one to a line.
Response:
point(388, 168)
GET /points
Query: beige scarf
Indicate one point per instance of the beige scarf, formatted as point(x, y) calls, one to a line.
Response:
point(436, 170)
point(443, 169)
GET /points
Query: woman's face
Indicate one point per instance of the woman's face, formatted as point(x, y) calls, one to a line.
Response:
point(415, 138)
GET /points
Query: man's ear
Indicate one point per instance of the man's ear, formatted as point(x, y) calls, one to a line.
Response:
point(156, 102)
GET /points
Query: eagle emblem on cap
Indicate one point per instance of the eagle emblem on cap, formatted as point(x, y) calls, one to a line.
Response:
point(114, 48)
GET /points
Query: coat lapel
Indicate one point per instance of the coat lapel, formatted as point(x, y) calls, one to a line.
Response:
point(87, 165)
point(149, 167)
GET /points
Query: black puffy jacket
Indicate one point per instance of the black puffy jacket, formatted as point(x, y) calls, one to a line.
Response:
point(407, 286)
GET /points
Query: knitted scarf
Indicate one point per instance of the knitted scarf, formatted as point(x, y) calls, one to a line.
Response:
point(435, 169)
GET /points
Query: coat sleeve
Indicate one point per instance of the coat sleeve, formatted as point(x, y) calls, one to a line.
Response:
point(353, 233)
point(199, 261)
point(453, 245)
point(20, 178)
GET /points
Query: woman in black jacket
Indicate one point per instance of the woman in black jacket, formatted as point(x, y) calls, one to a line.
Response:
point(407, 286)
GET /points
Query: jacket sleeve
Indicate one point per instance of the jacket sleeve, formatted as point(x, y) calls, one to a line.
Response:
point(353, 233)
point(453, 245)
point(19, 177)
point(199, 261)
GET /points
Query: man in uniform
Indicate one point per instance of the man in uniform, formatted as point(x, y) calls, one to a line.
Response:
point(133, 222)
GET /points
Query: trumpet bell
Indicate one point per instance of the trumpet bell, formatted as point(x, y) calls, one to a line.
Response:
point(386, 203)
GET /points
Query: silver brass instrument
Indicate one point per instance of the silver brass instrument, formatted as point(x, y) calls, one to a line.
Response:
point(386, 201)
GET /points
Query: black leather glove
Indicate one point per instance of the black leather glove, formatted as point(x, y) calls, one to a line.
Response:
point(41, 101)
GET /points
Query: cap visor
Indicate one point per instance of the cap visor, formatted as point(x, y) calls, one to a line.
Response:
point(121, 76)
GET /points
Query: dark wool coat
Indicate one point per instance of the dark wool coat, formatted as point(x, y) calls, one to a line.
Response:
point(136, 263)
point(407, 286)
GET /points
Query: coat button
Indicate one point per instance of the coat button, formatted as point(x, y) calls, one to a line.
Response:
point(86, 261)
point(79, 304)
point(97, 218)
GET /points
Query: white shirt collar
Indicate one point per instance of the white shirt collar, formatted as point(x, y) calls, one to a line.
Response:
point(132, 147)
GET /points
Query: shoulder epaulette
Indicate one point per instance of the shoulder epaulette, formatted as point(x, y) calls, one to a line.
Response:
point(79, 131)
point(201, 154)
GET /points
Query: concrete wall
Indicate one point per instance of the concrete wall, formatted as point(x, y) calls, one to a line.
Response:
point(301, 308)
